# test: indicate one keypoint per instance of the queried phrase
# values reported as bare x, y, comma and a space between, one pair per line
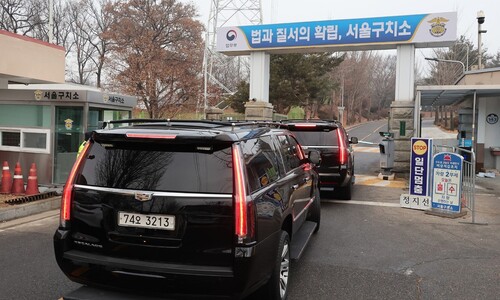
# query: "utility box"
386, 152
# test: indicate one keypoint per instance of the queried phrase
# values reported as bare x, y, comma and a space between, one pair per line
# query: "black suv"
188, 208
336, 170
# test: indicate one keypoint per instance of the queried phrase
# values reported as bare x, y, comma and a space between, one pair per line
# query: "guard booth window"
99, 114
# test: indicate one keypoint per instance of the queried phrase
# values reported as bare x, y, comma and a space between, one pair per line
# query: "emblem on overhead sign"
231, 35
105, 98
38, 95
438, 26
143, 196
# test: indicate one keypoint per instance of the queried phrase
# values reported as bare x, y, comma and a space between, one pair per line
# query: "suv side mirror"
353, 140
314, 157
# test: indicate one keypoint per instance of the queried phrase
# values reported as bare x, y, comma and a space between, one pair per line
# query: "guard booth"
45, 124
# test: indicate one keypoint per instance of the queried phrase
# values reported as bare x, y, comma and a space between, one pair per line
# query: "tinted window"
317, 138
260, 161
289, 151
162, 168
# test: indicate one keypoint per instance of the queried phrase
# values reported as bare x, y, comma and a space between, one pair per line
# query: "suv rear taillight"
342, 148
67, 193
243, 209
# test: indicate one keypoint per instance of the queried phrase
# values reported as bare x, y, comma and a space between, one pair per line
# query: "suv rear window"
159, 168
317, 138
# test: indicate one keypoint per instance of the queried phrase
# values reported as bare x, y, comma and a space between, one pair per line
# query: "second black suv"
188, 207
336, 170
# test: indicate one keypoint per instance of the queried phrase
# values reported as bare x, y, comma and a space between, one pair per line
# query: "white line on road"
376, 130
371, 203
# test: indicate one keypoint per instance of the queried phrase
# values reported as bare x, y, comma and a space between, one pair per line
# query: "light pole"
480, 21
448, 61
341, 107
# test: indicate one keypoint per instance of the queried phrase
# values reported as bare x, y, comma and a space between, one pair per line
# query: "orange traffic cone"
18, 185
6, 179
32, 185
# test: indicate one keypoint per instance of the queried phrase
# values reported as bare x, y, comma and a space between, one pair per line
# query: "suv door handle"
295, 186
306, 179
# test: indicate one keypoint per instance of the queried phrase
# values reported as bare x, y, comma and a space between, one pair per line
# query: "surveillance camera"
480, 17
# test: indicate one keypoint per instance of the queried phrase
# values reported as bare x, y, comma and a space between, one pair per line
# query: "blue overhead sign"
386, 32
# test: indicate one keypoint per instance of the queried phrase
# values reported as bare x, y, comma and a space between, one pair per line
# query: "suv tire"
277, 287
345, 192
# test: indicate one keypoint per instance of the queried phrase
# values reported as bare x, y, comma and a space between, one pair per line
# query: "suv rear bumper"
330, 180
168, 279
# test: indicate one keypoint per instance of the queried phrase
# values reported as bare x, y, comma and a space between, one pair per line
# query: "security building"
476, 99
45, 124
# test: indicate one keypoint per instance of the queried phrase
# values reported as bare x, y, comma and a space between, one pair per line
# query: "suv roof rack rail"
310, 120
190, 123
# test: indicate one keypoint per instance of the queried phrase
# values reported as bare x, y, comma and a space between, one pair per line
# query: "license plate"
163, 222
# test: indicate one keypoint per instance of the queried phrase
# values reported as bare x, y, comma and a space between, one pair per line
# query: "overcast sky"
289, 11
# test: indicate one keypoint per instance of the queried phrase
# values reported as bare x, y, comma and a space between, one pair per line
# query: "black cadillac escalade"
197, 208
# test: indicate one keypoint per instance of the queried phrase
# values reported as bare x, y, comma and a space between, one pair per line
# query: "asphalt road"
366, 152
367, 248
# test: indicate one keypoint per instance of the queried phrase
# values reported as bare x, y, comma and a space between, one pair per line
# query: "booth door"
68, 137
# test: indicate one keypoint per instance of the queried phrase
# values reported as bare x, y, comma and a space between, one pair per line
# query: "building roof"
442, 95
54, 86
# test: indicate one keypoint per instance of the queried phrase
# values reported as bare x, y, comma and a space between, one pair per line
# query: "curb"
27, 209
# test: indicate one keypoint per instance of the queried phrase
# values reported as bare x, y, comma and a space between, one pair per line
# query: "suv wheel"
344, 193
277, 287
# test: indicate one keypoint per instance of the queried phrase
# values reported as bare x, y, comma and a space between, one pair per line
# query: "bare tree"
357, 71
81, 36
19, 16
99, 23
383, 83
161, 49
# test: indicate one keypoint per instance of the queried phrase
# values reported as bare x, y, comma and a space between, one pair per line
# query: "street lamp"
480, 21
448, 61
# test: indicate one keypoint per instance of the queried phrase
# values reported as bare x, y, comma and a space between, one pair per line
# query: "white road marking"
370, 203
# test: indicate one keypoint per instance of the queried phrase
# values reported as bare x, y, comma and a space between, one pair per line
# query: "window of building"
20, 115
24, 140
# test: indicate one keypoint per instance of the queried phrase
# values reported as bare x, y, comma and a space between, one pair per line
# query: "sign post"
420, 163
447, 183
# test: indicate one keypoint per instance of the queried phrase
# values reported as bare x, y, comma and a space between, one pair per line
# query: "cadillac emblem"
438, 26
143, 196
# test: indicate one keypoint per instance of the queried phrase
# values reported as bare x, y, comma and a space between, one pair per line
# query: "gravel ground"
5, 197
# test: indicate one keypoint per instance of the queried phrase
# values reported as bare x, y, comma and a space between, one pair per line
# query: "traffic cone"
6, 179
18, 185
32, 185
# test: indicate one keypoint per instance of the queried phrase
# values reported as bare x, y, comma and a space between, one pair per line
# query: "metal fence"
468, 174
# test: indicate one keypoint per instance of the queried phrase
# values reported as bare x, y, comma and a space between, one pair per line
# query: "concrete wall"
483, 77
28, 60
489, 134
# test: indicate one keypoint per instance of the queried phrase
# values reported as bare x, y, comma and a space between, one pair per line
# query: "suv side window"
261, 162
290, 152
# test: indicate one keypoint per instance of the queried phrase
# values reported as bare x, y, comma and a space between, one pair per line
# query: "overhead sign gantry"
423, 30
404, 33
